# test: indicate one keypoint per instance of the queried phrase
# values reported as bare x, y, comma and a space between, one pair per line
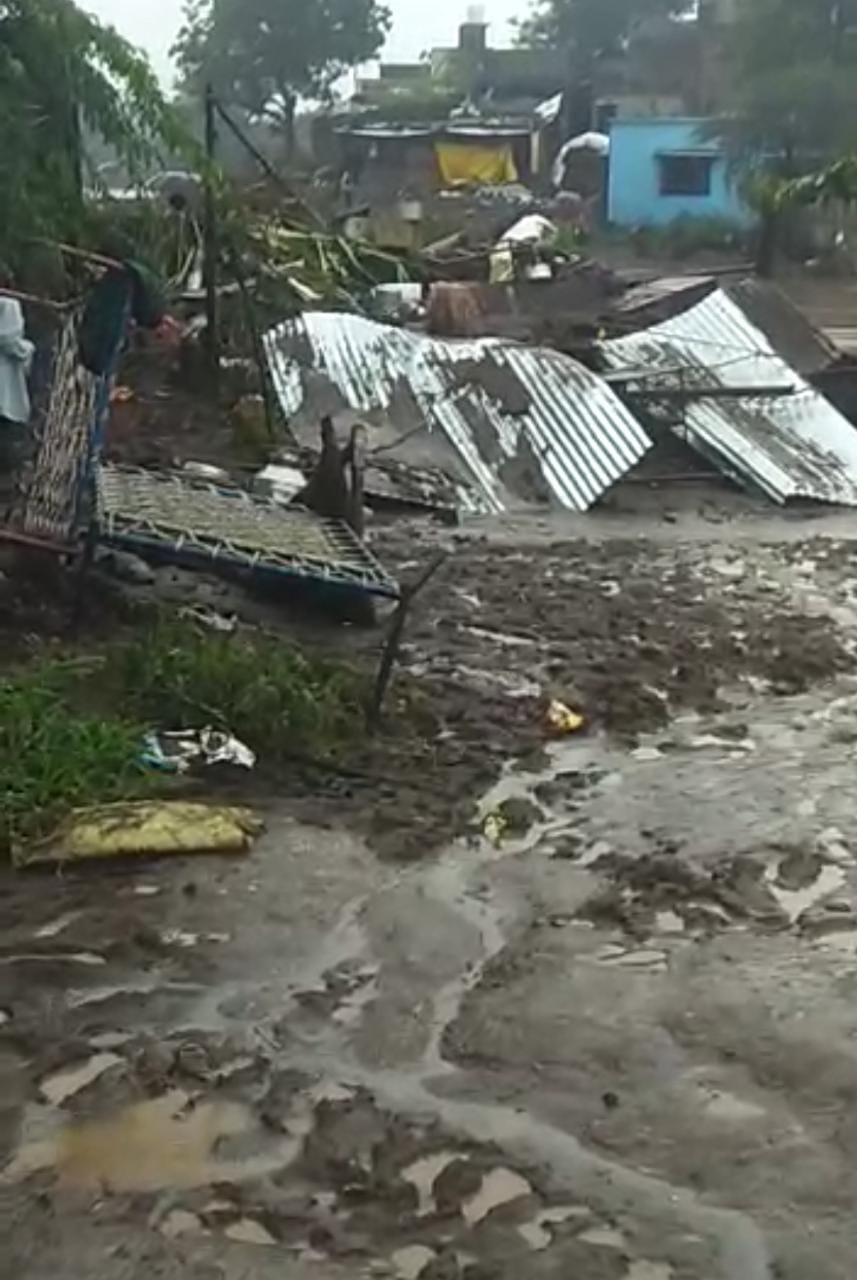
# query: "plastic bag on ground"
178, 751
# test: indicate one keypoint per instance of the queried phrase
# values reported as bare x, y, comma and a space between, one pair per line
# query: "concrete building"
662, 169
505, 80
468, 115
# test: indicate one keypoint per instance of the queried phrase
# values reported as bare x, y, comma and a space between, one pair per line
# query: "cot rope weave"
50, 491
200, 523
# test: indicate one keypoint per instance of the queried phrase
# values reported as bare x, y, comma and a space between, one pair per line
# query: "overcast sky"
417, 24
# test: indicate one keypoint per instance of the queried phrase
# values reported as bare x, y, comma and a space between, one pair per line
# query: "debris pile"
497, 371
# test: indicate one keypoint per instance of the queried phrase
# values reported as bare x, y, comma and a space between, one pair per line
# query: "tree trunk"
768, 243
290, 107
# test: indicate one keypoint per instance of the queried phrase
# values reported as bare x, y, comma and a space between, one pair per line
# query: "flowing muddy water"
164, 1143
605, 1033
180, 1141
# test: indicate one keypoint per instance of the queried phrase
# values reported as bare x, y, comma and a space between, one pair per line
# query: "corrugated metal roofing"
793, 446
525, 422
386, 131
487, 130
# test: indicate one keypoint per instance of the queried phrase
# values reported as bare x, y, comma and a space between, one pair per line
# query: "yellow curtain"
465, 162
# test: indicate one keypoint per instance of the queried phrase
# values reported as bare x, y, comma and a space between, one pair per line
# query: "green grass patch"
273, 695
54, 757
70, 732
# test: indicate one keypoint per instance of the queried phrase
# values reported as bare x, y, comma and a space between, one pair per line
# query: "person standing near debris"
16, 358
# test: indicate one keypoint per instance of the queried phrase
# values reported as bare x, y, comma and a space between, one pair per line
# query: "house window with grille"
685, 174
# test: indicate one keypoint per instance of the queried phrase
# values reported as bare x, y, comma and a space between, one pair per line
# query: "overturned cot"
200, 525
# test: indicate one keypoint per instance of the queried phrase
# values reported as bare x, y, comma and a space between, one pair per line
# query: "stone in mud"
612, 906
566, 787
126, 567
740, 888
568, 847
499, 1187
459, 1181
643, 889
443, 1267
283, 1088
519, 814
799, 869
192, 1060
152, 1065
248, 1231
179, 1222
410, 1262
63, 1085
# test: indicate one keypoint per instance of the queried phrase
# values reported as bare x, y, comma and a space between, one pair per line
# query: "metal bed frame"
68, 501
203, 525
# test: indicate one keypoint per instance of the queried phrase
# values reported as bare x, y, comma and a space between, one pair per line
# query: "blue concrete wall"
634, 197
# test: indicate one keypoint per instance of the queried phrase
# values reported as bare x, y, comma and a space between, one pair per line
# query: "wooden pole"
393, 643
210, 237
357, 465
256, 339
265, 165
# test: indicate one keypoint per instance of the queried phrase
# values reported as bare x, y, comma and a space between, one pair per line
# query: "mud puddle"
166, 1142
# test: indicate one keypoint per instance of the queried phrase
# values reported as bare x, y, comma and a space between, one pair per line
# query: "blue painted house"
661, 169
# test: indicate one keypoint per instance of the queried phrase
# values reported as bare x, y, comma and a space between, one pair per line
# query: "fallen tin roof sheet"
790, 447
524, 423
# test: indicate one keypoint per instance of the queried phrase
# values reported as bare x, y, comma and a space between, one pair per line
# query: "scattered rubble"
495, 995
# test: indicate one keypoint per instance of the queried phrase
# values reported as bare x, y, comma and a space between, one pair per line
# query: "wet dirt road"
614, 1041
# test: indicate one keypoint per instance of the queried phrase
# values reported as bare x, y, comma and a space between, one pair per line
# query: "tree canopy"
591, 29
62, 73
263, 55
791, 84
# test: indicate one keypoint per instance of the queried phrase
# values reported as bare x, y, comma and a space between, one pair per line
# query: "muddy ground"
505, 1004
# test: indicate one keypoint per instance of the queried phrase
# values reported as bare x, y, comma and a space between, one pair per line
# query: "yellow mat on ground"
145, 829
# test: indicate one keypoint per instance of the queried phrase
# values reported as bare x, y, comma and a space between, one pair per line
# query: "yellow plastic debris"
145, 829
563, 720
493, 827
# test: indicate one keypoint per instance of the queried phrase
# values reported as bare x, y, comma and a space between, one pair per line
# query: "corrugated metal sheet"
525, 422
794, 446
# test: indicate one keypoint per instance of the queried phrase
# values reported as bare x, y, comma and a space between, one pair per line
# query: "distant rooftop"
478, 69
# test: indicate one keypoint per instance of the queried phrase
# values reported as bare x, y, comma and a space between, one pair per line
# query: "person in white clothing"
16, 358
